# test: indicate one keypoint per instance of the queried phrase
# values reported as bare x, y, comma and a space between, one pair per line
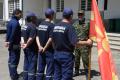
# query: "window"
17, 5
83, 4
86, 5
105, 4
59, 5
12, 5
11, 8
89, 5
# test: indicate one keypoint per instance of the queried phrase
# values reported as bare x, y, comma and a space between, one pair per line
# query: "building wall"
111, 12
73, 4
113, 9
36, 6
1, 10
39, 6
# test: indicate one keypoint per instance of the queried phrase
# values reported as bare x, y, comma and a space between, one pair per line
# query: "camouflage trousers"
83, 53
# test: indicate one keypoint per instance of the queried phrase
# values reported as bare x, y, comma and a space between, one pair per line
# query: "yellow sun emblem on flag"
92, 15
98, 31
114, 76
105, 45
100, 51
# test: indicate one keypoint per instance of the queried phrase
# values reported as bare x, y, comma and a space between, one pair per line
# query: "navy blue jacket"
13, 31
29, 31
64, 37
44, 31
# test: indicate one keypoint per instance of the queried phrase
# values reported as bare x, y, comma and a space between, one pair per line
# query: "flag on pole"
98, 34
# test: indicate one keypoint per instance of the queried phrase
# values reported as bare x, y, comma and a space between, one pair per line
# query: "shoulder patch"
42, 27
59, 29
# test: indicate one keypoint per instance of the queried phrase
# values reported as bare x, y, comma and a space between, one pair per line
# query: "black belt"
64, 51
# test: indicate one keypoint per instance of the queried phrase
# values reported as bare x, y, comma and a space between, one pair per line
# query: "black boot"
76, 74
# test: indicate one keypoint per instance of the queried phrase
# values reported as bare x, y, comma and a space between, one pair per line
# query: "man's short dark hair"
67, 16
48, 16
49, 12
16, 12
28, 19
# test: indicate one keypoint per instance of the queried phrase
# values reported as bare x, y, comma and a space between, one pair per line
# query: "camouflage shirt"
82, 30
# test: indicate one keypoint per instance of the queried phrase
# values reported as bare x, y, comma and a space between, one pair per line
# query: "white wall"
113, 10
36, 6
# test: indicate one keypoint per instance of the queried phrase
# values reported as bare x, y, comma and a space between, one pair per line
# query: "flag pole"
89, 68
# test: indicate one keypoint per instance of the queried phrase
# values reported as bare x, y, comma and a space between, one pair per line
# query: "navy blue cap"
67, 12
29, 14
49, 12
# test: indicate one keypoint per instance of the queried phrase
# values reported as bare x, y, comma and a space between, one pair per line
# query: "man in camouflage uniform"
82, 30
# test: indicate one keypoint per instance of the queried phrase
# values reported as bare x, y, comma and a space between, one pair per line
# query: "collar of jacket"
14, 17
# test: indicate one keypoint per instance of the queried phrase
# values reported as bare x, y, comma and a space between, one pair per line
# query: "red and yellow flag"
98, 33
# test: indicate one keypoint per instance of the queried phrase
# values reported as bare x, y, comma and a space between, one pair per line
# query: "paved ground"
2, 29
4, 75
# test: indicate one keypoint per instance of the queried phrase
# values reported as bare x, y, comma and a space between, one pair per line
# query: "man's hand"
89, 42
24, 46
40, 49
7, 44
44, 49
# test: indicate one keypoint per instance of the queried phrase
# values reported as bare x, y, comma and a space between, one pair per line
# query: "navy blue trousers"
63, 64
13, 61
45, 59
30, 64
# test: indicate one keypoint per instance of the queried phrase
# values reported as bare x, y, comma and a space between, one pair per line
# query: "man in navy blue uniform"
64, 40
13, 43
29, 45
45, 58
